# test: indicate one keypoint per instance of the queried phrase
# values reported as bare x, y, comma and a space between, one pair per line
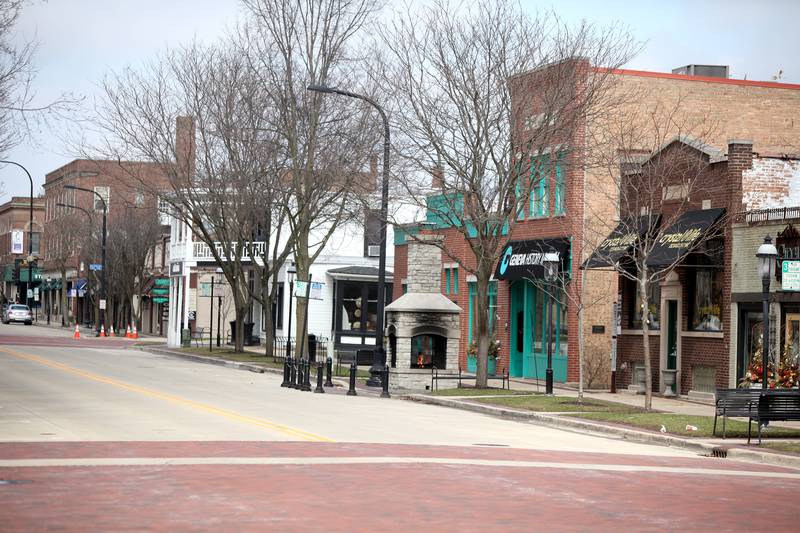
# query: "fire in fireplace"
428, 350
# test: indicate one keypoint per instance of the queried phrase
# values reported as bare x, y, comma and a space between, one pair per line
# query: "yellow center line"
304, 435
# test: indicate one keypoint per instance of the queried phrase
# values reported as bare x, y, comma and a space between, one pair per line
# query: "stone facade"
423, 310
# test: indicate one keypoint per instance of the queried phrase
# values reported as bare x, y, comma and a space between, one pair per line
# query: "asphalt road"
97, 435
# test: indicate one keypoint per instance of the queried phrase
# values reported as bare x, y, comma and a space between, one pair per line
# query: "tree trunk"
269, 333
648, 377
482, 326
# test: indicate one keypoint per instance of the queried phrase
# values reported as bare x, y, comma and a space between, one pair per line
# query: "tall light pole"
550, 263
767, 254
379, 355
91, 231
30, 234
103, 251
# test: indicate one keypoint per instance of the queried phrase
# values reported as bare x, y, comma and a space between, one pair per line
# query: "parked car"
18, 313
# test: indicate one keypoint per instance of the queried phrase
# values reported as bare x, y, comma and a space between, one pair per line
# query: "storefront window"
473, 313
653, 305
706, 300
352, 307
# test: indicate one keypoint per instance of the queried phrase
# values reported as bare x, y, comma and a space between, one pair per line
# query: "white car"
18, 313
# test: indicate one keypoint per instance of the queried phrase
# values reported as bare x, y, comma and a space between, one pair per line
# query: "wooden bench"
461, 376
736, 403
778, 405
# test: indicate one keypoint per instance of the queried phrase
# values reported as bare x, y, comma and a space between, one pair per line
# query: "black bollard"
285, 372
292, 374
328, 382
385, 382
320, 372
298, 384
306, 376
353, 369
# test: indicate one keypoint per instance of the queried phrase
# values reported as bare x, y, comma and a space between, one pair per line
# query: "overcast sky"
81, 40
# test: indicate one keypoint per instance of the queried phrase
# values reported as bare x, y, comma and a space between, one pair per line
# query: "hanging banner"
17, 236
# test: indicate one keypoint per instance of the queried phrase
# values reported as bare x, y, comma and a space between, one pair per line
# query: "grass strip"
676, 424
558, 404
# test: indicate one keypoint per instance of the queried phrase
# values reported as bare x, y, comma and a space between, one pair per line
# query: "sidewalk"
731, 447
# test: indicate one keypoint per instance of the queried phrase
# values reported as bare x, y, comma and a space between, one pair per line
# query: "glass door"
791, 348
751, 325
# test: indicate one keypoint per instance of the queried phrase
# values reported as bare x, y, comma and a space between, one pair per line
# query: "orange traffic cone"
77, 334
111, 331
102, 330
134, 334
128, 332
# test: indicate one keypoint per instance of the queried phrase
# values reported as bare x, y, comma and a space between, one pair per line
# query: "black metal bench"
736, 403
776, 405
461, 376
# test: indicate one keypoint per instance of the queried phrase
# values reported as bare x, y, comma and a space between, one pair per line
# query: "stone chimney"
424, 265
185, 146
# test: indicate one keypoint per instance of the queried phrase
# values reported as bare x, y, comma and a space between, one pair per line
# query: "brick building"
122, 185
14, 234
577, 209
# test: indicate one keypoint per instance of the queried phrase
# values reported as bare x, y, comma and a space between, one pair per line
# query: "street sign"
95, 266
790, 276
314, 293
103, 304
205, 289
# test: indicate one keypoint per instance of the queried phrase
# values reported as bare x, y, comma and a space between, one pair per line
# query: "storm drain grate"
485, 444
719, 452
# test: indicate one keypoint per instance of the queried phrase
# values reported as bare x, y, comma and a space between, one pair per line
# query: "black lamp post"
103, 251
30, 235
91, 231
211, 315
379, 355
767, 255
291, 270
219, 308
550, 263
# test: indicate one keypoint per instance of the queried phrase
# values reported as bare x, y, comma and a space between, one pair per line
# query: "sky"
80, 41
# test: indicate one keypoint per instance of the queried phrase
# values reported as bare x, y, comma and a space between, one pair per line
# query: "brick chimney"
740, 158
437, 178
185, 146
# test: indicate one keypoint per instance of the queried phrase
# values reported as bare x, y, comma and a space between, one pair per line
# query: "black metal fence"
317, 346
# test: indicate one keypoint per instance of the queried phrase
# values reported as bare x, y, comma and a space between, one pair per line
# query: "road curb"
643, 437
209, 360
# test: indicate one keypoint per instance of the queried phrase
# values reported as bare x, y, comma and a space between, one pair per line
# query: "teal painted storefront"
528, 333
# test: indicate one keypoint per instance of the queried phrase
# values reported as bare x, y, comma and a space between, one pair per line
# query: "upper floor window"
560, 196
139, 199
540, 186
451, 280
105, 193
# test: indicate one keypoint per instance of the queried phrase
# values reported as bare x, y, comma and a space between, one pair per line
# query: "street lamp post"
767, 255
291, 270
379, 355
30, 234
550, 263
103, 287
211, 315
91, 231
49, 300
219, 309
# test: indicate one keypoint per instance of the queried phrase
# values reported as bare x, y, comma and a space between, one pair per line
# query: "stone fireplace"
423, 324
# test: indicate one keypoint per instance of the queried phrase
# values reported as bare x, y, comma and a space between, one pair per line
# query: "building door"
749, 339
529, 306
791, 350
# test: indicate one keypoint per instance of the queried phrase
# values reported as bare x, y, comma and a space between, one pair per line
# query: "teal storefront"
529, 295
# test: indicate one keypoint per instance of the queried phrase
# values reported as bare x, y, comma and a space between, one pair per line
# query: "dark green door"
672, 335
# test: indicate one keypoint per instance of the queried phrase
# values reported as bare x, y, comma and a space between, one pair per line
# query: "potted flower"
494, 352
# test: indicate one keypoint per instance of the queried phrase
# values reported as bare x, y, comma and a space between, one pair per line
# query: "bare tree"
132, 235
661, 171
65, 241
453, 78
18, 112
326, 141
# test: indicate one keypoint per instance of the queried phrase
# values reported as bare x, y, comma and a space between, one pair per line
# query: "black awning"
682, 237
619, 242
523, 259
